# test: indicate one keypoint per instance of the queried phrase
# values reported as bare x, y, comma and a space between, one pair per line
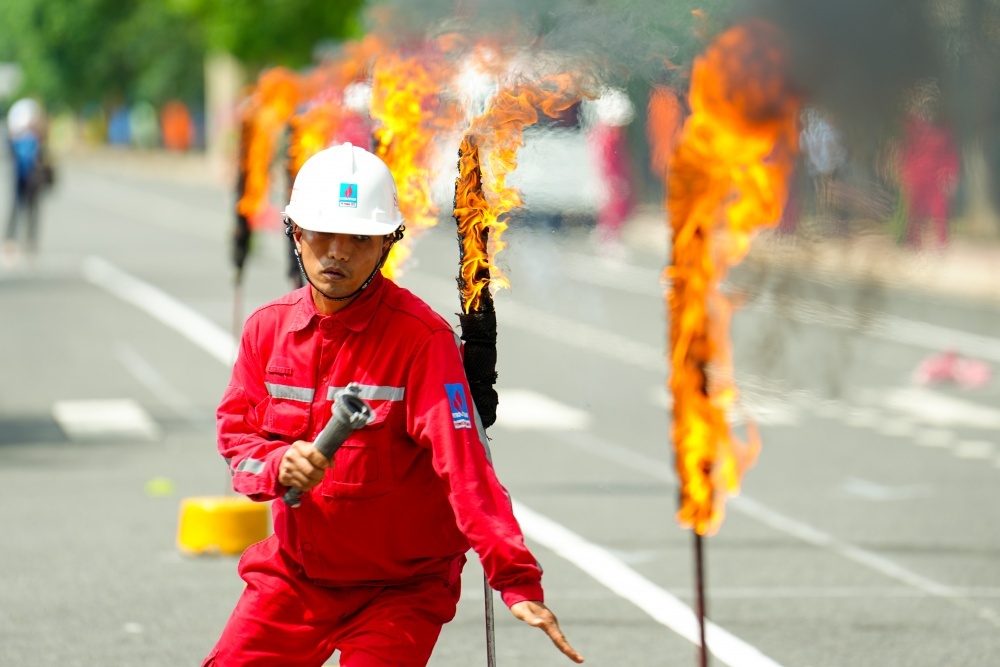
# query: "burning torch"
478, 318
728, 176
503, 122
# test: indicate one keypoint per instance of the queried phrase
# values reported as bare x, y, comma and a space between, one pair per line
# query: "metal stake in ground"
478, 318
699, 589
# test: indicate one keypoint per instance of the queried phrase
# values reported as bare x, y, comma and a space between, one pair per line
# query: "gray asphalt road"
866, 534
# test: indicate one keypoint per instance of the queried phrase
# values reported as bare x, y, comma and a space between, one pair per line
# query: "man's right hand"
302, 467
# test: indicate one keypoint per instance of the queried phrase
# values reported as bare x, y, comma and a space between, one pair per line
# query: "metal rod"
699, 586
485, 304
491, 652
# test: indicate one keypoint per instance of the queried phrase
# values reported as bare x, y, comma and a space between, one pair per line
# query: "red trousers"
926, 202
283, 619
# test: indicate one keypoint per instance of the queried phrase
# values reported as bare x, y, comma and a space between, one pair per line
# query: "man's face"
338, 264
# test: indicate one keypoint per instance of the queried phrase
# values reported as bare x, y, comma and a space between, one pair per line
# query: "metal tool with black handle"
349, 413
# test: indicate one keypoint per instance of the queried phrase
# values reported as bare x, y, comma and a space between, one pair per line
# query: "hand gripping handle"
349, 413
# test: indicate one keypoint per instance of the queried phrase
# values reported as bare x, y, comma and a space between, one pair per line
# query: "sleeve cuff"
521, 592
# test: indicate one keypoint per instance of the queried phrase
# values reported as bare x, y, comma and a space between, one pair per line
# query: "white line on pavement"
104, 418
649, 466
629, 584
195, 327
594, 560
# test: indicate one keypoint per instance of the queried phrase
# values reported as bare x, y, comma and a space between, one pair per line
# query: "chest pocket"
362, 467
286, 410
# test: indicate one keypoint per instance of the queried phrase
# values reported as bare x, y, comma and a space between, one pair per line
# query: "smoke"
629, 41
866, 60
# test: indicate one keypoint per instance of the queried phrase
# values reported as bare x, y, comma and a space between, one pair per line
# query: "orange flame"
407, 102
318, 125
499, 131
271, 105
312, 131
728, 178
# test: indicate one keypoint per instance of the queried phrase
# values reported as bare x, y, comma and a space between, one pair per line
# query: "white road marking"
95, 419
933, 437
924, 406
523, 409
974, 449
864, 593
629, 584
192, 325
896, 428
620, 455
880, 492
862, 418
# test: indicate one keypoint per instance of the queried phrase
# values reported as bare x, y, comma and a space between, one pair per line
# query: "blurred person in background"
825, 158
612, 112
119, 128
144, 127
176, 126
27, 130
929, 166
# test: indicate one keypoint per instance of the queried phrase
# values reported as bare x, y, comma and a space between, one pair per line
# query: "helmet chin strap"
298, 258
353, 294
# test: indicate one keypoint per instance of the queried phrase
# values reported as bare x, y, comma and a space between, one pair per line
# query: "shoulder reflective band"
371, 392
303, 394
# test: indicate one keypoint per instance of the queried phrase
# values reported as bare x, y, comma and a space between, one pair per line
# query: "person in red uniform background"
929, 168
369, 563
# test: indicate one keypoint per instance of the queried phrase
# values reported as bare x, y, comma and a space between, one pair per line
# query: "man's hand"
302, 467
538, 615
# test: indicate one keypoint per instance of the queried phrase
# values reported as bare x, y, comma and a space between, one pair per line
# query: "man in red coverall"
369, 564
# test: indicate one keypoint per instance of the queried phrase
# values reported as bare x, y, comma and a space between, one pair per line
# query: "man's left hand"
538, 615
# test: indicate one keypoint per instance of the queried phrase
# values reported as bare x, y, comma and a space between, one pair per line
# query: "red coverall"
370, 562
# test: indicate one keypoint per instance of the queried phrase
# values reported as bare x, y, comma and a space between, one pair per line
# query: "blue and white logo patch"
348, 195
459, 406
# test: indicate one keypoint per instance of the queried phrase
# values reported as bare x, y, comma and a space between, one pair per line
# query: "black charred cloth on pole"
241, 231
294, 273
479, 331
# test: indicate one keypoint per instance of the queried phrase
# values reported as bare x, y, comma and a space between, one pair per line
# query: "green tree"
75, 52
272, 32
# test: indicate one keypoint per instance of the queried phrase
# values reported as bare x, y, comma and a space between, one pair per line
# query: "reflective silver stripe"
370, 392
252, 466
304, 394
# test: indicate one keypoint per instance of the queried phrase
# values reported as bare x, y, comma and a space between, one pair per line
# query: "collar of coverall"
355, 316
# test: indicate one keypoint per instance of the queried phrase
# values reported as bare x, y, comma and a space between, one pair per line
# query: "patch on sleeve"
459, 406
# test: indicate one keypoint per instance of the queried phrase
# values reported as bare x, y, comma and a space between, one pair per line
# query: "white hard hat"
345, 190
23, 116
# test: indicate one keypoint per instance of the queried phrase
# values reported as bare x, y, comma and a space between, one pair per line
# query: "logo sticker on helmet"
459, 407
348, 195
